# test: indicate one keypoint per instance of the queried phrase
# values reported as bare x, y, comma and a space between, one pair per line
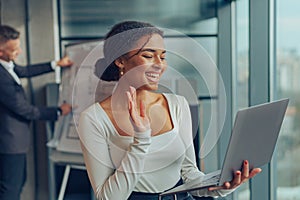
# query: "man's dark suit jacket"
15, 110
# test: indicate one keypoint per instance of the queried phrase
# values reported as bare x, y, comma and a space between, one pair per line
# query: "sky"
288, 24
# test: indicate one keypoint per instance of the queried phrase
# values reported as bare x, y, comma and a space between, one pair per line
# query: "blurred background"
255, 45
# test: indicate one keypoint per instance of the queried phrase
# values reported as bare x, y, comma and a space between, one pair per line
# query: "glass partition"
287, 84
241, 72
93, 18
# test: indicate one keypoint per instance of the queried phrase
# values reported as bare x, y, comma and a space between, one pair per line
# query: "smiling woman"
138, 143
146, 65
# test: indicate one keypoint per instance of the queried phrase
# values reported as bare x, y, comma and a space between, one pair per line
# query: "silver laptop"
253, 138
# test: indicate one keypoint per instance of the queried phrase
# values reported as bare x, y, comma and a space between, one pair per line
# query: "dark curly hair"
120, 40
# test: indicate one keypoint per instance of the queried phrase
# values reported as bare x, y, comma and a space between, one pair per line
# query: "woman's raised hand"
139, 119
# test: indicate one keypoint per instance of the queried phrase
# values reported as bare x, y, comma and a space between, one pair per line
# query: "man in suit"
16, 112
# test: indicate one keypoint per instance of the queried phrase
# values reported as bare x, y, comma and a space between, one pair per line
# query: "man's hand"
64, 62
65, 108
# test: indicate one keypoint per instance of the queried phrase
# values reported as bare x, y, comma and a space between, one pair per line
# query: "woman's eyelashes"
148, 56
162, 58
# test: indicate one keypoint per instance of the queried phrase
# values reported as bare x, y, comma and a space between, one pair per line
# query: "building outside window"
287, 84
241, 71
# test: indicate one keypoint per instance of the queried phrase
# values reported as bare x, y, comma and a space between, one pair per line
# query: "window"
241, 72
287, 84
93, 18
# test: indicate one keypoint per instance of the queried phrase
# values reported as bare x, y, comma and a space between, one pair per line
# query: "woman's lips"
153, 76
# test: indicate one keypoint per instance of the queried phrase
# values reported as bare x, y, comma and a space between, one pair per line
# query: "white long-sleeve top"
118, 165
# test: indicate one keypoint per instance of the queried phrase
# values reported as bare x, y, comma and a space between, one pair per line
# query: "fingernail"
260, 169
245, 162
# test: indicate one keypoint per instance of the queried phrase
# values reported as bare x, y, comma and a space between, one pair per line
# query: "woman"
138, 143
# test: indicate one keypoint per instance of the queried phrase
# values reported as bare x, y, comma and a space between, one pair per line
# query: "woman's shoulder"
175, 98
94, 111
95, 116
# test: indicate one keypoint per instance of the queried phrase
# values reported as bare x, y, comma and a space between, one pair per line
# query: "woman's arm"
189, 168
109, 181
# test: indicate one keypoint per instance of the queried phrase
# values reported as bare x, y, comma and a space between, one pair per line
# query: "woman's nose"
158, 62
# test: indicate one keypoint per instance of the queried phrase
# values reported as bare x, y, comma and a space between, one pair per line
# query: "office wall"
41, 47
34, 19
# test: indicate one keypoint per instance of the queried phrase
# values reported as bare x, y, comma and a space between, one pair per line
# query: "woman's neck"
120, 96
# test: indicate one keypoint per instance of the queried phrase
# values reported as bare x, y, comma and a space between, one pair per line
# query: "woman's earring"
121, 72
